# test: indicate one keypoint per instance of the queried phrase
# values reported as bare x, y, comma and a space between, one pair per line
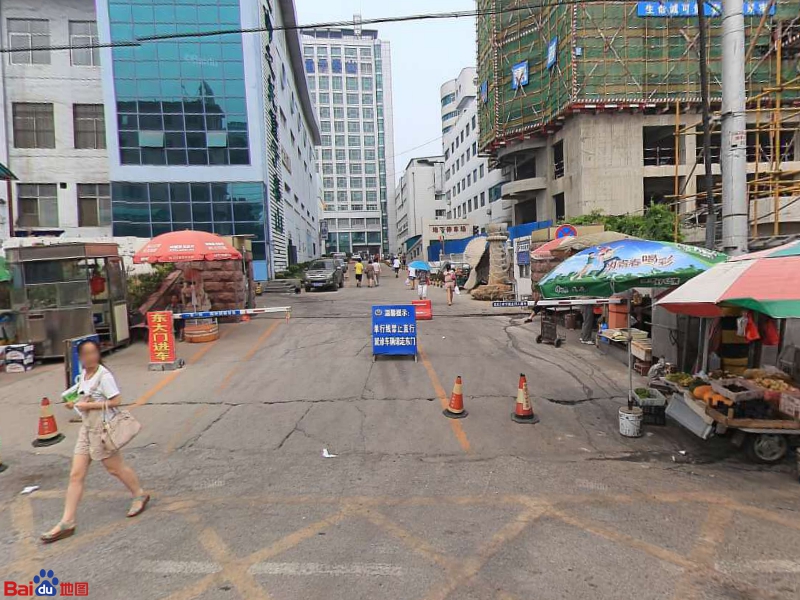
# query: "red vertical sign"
162, 337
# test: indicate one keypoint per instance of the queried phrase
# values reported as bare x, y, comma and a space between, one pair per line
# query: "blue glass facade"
150, 209
182, 101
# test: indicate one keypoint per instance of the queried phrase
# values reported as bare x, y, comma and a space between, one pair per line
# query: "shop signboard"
394, 330
162, 337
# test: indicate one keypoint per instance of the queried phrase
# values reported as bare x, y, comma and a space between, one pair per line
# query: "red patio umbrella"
186, 246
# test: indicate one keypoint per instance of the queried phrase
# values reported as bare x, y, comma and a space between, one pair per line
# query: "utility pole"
734, 134
711, 220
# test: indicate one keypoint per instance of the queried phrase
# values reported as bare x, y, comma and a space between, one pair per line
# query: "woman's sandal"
143, 500
64, 531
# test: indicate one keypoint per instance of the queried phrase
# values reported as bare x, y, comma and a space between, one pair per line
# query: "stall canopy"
607, 269
5, 274
186, 246
767, 281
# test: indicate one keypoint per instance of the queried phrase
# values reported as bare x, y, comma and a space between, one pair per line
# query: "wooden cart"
767, 440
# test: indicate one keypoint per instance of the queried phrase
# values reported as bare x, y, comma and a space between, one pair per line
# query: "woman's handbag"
119, 430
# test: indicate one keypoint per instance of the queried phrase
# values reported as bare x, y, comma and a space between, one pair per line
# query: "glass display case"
64, 291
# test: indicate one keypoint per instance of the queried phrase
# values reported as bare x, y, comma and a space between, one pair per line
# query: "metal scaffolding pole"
734, 136
711, 219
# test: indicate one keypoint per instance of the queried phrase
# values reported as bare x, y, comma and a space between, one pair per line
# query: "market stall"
64, 291
193, 250
607, 270
761, 403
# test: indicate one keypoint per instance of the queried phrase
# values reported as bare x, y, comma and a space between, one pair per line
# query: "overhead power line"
327, 25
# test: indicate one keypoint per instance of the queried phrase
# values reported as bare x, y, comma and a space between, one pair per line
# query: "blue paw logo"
46, 583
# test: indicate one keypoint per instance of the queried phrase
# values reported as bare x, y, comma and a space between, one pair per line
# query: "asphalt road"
413, 505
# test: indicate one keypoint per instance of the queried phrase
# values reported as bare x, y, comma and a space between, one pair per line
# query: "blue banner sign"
675, 8
394, 330
519, 75
552, 52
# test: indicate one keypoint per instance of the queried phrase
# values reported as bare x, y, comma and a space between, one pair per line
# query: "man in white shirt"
396, 267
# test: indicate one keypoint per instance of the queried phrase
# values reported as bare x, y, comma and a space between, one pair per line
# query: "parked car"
342, 257
323, 274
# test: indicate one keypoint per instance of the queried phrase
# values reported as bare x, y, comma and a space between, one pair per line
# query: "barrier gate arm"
554, 303
234, 313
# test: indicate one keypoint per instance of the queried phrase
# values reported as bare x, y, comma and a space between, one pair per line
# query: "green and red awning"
767, 281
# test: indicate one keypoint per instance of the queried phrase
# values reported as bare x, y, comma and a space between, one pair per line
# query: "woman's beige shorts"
89, 442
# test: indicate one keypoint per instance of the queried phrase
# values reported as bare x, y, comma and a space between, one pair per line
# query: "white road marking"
760, 566
360, 570
178, 567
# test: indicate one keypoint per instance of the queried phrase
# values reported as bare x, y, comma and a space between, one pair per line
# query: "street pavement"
412, 505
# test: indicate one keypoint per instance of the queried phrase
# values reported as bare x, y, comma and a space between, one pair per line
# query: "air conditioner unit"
489, 211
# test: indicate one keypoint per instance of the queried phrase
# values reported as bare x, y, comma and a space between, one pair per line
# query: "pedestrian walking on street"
376, 267
359, 270
412, 276
587, 311
370, 272
98, 400
396, 267
450, 284
422, 284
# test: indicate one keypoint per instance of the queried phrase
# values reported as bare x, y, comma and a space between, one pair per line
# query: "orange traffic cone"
48, 430
523, 411
456, 408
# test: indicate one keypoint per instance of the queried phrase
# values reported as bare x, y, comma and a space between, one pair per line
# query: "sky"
425, 54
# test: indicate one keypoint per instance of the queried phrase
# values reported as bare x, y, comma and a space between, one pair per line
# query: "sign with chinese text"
485, 92
162, 337
552, 52
675, 8
519, 75
394, 330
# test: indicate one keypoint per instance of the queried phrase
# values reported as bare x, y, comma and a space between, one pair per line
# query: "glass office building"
182, 130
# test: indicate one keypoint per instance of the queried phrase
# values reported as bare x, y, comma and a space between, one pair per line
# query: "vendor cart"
549, 334
766, 440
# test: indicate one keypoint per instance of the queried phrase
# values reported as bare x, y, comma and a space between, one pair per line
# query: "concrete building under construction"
596, 105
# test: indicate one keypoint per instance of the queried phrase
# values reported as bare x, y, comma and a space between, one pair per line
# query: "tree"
657, 223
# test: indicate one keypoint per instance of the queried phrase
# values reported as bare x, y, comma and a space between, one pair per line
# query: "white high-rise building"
472, 189
419, 198
348, 71
52, 130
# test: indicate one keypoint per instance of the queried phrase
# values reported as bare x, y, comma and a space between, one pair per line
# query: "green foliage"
657, 224
142, 286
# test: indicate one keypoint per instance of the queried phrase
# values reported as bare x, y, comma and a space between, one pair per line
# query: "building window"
474, 148
38, 205
23, 36
84, 33
474, 126
558, 160
89, 126
448, 99
560, 208
483, 198
341, 168
33, 125
482, 171
309, 64
94, 205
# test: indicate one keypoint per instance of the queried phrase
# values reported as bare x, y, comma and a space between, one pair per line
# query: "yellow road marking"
455, 424
144, 398
249, 355
176, 438
712, 533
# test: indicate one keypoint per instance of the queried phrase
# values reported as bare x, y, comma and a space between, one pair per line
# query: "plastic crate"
654, 415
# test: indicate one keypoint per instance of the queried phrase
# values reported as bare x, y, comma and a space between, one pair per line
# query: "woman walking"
422, 284
97, 390
450, 284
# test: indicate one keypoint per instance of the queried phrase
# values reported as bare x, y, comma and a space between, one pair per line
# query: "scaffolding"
772, 141
537, 64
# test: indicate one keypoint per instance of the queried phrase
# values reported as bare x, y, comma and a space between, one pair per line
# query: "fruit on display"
701, 391
682, 379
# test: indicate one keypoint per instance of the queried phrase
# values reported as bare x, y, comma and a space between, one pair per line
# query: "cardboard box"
18, 352
18, 367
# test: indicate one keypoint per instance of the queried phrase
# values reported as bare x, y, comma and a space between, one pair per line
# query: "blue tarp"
524, 230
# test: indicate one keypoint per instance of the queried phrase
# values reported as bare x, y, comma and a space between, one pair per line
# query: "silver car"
323, 274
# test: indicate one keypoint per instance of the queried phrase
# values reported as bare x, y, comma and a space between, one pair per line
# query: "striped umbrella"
767, 281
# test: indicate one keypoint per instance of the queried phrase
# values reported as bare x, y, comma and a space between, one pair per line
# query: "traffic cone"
48, 430
456, 408
523, 411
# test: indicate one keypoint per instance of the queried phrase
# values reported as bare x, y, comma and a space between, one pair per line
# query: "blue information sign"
519, 75
394, 330
676, 8
552, 53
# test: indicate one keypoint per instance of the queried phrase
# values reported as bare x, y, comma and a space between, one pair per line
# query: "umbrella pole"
630, 359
